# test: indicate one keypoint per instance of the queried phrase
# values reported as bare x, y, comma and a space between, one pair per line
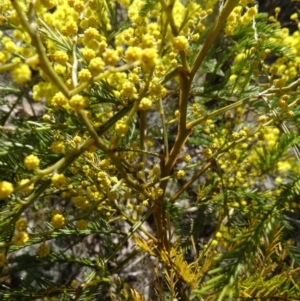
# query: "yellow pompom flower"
60, 69
57, 220
277, 10
219, 235
133, 54
59, 99
78, 102
187, 158
20, 238
246, 19
252, 11
84, 75
77, 139
206, 152
58, 180
180, 174
294, 17
70, 29
233, 77
96, 65
214, 243
31, 162
149, 57
156, 89
121, 128
4, 56
21, 74
21, 225
195, 37
6, 188
91, 33
78, 6
88, 53
82, 225
10, 46
110, 57
58, 147
60, 57
93, 21
145, 104
128, 90
180, 43
43, 250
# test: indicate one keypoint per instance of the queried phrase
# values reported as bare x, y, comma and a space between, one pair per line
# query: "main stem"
186, 76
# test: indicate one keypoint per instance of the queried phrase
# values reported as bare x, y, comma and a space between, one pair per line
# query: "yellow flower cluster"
20, 238
57, 220
180, 174
180, 43
21, 225
58, 180
43, 250
21, 74
139, 44
6, 188
82, 225
31, 162
145, 104
121, 128
58, 147
285, 67
78, 102
60, 57
81, 202
239, 16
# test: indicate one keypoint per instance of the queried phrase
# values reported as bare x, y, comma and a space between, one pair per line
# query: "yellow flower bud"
20, 238
6, 189
31, 162
43, 250
180, 43
57, 221
21, 74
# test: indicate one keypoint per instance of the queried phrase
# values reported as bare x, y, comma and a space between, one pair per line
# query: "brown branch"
211, 37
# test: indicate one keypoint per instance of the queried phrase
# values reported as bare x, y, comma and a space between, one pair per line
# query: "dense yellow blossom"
133, 54
31, 162
180, 43
58, 147
57, 221
43, 250
110, 57
21, 74
59, 99
145, 104
96, 65
6, 188
20, 238
78, 102
58, 180
21, 225
82, 225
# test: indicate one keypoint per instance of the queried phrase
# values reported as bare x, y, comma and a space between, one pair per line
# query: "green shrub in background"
153, 110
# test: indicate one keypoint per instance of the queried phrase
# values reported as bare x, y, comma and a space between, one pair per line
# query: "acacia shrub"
155, 112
